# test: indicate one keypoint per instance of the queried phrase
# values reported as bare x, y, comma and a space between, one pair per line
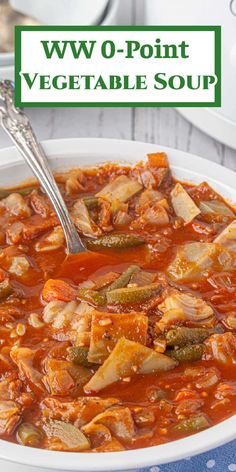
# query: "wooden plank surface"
164, 126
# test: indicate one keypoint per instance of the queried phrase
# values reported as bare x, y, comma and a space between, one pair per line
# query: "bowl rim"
128, 151
106, 17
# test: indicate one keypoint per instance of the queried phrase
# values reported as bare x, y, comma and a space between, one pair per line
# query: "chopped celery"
122, 188
215, 207
68, 434
183, 204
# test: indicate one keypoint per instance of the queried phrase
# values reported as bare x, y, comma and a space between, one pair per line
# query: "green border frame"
19, 103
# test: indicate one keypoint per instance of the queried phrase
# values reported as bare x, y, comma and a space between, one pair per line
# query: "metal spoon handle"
18, 127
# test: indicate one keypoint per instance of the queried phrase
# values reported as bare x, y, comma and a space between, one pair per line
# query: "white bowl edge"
187, 167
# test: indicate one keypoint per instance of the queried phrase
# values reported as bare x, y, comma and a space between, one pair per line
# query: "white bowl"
108, 18
68, 153
67, 12
7, 72
6, 58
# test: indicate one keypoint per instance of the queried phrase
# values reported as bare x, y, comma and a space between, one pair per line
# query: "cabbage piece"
222, 347
83, 221
111, 445
142, 278
153, 215
108, 328
24, 357
28, 435
183, 204
148, 196
52, 241
225, 390
118, 420
15, 205
58, 313
170, 318
215, 207
126, 359
227, 238
196, 310
67, 437
122, 188
9, 416
79, 412
64, 377
69, 321
192, 259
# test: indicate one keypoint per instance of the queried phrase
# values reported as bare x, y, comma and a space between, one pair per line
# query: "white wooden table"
163, 126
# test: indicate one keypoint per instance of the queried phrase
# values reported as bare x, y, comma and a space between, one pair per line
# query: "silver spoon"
18, 127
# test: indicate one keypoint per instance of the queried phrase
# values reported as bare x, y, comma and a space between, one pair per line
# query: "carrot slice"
58, 290
158, 159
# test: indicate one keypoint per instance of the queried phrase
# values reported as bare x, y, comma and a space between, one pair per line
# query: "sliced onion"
195, 309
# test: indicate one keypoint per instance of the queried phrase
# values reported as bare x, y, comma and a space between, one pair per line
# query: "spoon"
18, 127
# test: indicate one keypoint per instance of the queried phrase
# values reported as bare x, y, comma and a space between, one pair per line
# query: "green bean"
183, 336
91, 296
116, 241
79, 355
123, 296
189, 353
28, 435
124, 278
194, 423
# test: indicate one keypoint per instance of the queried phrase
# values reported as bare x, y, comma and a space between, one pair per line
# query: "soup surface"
131, 344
